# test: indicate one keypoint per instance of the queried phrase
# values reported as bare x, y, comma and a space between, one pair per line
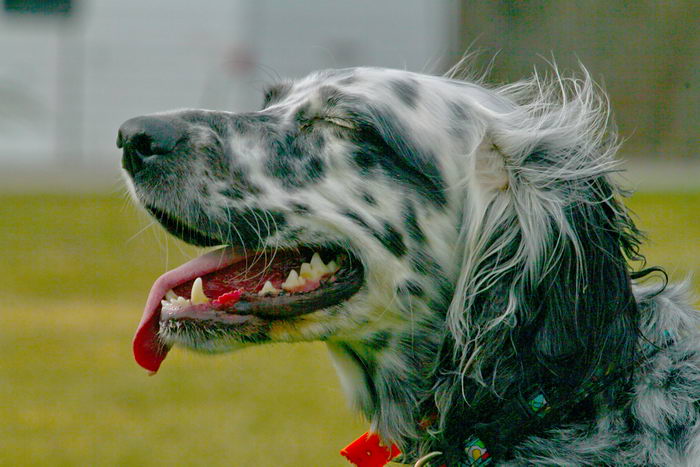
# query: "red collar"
367, 451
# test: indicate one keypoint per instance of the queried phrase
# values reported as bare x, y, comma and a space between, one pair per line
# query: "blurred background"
77, 259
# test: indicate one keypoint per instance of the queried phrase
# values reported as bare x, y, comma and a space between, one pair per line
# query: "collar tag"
367, 451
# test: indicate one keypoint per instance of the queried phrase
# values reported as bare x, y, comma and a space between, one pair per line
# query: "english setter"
461, 249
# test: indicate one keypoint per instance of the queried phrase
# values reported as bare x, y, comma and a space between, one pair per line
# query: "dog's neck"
393, 386
404, 387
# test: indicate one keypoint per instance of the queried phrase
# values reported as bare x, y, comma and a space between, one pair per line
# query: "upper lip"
183, 230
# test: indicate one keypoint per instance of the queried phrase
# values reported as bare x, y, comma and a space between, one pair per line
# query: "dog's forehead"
328, 87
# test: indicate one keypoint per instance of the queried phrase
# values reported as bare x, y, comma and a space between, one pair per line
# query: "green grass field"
75, 274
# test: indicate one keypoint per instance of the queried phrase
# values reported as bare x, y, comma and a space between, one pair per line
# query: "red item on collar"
367, 451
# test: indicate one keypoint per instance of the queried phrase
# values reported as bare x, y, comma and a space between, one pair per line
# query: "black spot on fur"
424, 264
458, 112
406, 90
331, 96
678, 435
318, 143
276, 93
218, 122
245, 123
251, 227
234, 176
267, 118
233, 193
377, 341
459, 120
315, 168
294, 161
369, 199
220, 168
441, 301
411, 222
411, 288
358, 220
390, 238
300, 208
303, 114
382, 140
393, 240
673, 379
365, 159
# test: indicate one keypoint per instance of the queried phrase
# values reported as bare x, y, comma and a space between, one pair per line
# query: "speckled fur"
490, 232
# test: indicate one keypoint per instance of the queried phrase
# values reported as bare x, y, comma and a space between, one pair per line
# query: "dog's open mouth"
226, 287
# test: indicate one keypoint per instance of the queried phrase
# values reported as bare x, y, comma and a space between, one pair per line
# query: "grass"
75, 275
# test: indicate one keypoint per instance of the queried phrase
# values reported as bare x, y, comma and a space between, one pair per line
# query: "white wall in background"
65, 86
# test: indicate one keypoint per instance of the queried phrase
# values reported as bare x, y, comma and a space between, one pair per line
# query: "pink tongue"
149, 351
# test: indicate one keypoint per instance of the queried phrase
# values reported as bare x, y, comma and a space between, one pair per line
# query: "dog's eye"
341, 122
337, 121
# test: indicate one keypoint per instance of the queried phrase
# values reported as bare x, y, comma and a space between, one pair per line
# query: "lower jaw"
216, 332
214, 336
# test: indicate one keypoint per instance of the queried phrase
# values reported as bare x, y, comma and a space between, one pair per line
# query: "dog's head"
335, 195
432, 231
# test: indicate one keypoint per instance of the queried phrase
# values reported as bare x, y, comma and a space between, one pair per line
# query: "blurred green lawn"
75, 273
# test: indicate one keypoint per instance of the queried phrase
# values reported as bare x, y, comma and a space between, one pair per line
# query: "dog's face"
328, 182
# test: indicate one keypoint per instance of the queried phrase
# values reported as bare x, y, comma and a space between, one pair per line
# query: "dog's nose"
143, 138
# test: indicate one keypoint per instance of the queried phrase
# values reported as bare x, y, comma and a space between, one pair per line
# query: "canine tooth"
170, 295
268, 288
197, 294
293, 280
318, 266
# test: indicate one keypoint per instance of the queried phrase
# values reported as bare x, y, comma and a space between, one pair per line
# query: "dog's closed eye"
336, 121
341, 122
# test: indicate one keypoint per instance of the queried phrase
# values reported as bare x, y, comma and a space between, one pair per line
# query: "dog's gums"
238, 290
234, 289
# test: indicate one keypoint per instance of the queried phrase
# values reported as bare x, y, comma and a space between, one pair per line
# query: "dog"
462, 249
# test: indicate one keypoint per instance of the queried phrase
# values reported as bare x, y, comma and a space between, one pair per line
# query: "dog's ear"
582, 312
544, 294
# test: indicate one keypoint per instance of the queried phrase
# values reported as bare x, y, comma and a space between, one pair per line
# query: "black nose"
145, 137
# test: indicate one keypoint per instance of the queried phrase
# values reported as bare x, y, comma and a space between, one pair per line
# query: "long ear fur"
544, 293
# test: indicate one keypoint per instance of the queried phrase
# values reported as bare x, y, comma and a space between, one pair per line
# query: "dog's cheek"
295, 160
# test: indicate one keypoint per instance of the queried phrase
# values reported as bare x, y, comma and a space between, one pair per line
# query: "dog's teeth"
268, 289
318, 266
293, 281
316, 261
170, 295
307, 272
197, 294
332, 267
174, 304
